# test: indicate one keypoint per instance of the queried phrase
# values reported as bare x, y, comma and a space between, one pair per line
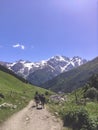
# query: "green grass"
19, 93
91, 106
15, 92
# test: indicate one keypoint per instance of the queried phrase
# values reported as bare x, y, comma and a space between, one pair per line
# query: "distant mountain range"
38, 73
74, 78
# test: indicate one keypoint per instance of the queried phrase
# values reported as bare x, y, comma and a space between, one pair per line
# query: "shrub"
91, 93
79, 120
47, 93
94, 81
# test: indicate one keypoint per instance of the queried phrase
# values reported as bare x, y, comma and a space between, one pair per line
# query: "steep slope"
74, 78
42, 75
14, 92
5, 69
81, 107
44, 70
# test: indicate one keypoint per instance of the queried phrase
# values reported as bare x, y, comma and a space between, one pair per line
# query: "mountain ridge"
73, 79
42, 71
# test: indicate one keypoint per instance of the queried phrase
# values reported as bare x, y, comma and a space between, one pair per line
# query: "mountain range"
38, 73
74, 78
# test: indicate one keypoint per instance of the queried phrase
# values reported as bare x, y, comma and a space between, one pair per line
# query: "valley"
72, 108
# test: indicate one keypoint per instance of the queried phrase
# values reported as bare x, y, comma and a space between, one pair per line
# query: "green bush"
94, 81
79, 120
92, 93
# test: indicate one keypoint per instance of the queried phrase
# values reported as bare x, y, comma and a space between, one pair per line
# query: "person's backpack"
42, 98
36, 97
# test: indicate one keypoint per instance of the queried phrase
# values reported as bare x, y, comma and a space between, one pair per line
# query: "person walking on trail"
43, 100
37, 99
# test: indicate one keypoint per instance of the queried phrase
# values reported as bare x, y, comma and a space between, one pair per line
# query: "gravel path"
31, 118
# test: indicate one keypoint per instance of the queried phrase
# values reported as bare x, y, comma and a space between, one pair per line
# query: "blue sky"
39, 29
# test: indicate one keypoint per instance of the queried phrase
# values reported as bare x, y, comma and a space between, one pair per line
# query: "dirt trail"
31, 118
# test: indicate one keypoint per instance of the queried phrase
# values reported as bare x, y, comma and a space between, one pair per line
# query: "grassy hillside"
4, 69
15, 92
74, 78
80, 109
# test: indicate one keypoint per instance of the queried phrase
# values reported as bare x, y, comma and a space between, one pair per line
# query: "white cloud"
22, 47
19, 46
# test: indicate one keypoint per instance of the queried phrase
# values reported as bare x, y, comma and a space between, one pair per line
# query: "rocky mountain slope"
73, 79
40, 72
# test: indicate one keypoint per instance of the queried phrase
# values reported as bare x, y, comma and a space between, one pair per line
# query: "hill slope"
15, 92
74, 78
80, 108
6, 70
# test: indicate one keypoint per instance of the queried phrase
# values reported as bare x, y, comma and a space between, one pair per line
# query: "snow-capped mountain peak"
53, 66
59, 58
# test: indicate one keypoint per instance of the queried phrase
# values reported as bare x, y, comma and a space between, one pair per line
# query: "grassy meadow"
15, 92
